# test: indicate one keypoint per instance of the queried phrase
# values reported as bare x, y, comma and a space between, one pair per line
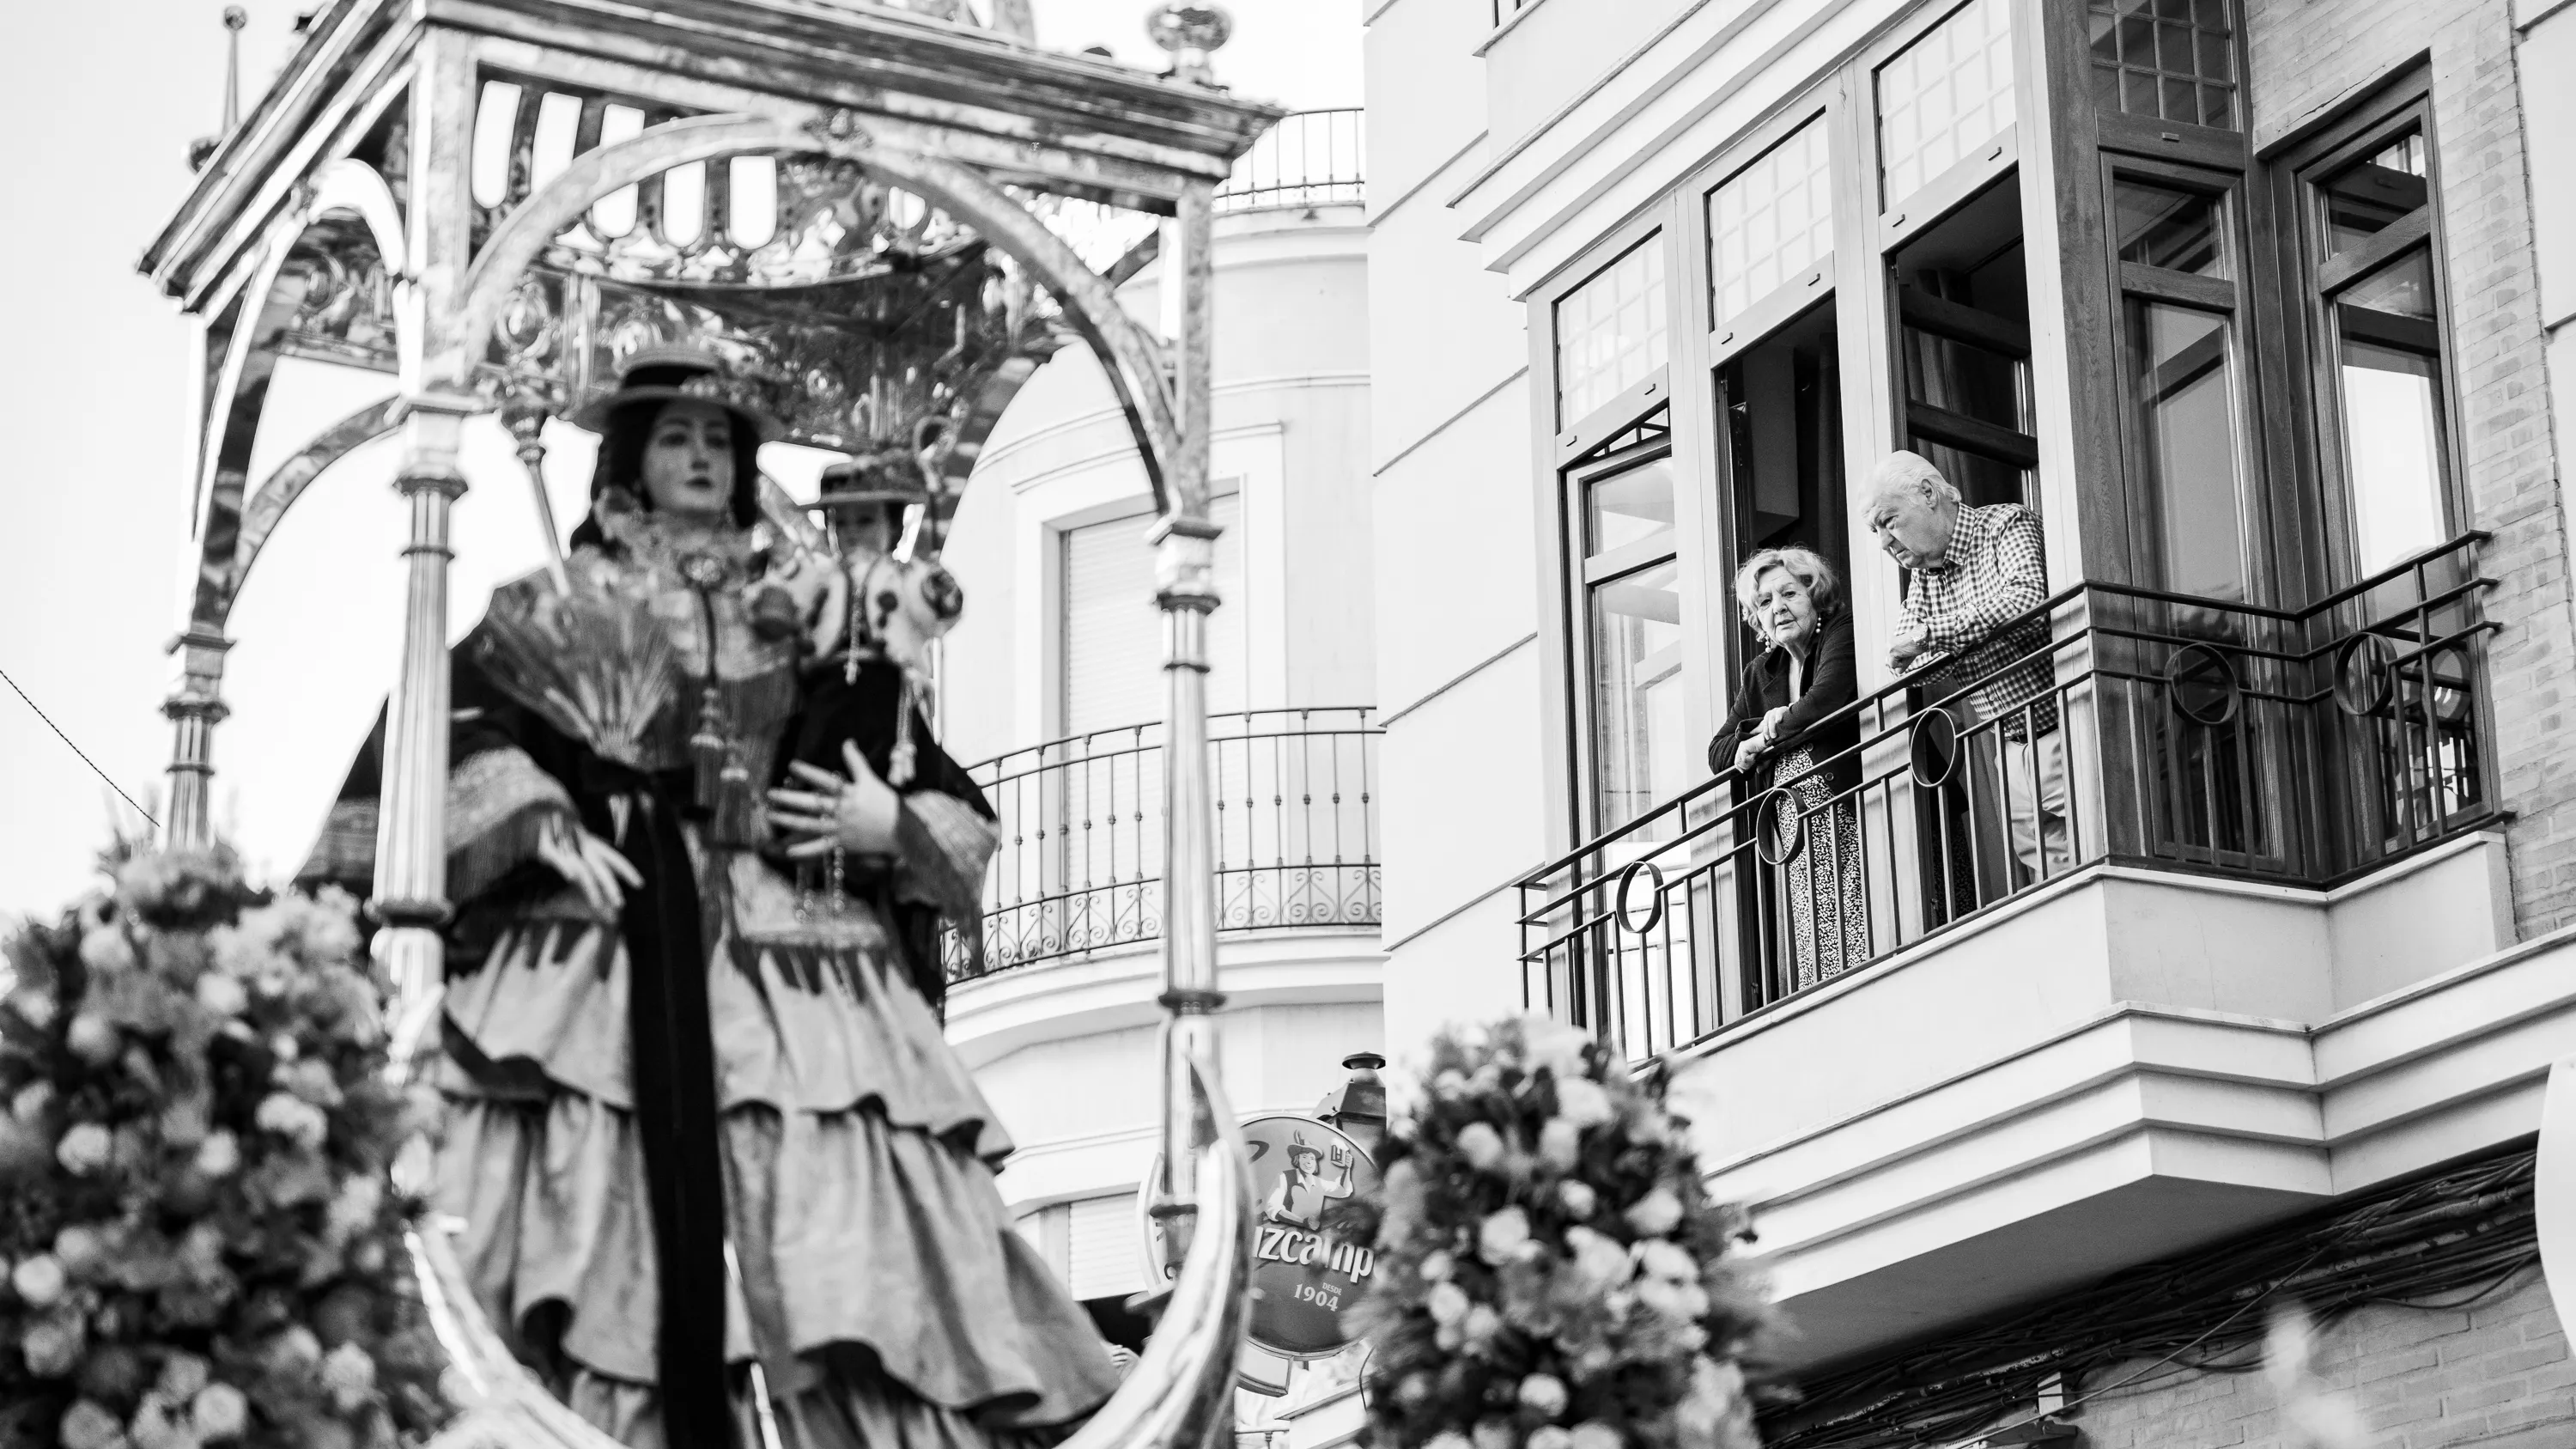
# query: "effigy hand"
587, 863
856, 814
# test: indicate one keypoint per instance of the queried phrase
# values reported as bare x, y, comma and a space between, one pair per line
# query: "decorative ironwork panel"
1080, 866
1771, 221
1610, 331
1943, 96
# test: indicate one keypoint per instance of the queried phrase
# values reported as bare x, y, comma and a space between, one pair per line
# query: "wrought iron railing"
1311, 158
1080, 866
2302, 748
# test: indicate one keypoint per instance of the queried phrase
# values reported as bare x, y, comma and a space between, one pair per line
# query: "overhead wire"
77, 750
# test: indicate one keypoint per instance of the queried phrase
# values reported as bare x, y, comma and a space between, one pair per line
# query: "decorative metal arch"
1134, 362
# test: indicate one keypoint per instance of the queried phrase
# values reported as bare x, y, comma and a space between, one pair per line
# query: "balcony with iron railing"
2270, 958
1080, 869
1309, 159
2293, 748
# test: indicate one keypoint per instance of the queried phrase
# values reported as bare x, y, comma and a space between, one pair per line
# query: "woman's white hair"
1904, 472
1802, 564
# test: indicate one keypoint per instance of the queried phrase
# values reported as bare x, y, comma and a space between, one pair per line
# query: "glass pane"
2392, 430
2364, 198
1640, 756
1769, 222
1948, 92
2187, 441
1629, 508
2163, 227
2403, 288
1610, 331
2171, 60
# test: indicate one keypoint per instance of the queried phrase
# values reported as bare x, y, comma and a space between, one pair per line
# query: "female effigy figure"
720, 1175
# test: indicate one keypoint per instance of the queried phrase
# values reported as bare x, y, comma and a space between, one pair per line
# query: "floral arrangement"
1551, 1273
196, 1135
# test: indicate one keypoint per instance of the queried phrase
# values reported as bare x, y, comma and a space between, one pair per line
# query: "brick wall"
2494, 1375
2309, 56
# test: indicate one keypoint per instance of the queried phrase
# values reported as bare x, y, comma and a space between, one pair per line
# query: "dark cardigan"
1831, 684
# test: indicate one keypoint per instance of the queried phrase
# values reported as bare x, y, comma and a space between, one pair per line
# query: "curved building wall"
1064, 1044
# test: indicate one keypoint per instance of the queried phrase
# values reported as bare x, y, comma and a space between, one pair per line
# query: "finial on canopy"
1190, 33
202, 149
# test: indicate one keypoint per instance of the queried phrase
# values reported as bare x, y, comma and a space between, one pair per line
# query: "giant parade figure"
717, 1169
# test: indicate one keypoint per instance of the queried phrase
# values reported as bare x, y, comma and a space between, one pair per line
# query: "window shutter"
1113, 635
1104, 1249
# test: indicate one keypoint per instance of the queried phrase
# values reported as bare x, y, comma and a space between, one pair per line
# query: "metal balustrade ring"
1621, 904
2202, 684
1932, 748
2449, 668
2362, 670
1779, 827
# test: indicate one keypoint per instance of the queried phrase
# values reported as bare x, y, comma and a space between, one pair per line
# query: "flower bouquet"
1551, 1274
201, 1244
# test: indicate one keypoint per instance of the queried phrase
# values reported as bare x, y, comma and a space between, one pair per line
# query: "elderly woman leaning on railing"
1790, 728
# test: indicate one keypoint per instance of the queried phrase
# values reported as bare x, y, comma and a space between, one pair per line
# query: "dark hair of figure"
621, 462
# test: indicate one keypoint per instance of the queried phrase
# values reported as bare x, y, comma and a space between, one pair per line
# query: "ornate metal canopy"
864, 207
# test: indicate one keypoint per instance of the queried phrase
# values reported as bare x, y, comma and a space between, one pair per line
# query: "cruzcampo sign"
1304, 1280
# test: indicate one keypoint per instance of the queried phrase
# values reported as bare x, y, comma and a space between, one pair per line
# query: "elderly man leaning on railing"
1972, 571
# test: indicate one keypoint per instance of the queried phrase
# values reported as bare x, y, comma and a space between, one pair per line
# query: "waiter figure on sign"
1301, 1193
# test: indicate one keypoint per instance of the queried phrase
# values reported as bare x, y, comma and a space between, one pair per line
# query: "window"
2166, 60
1112, 655
1610, 332
1770, 222
1962, 319
2373, 302
2181, 374
1630, 601
1943, 96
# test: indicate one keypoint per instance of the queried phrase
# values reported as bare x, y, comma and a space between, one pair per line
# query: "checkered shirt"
1997, 571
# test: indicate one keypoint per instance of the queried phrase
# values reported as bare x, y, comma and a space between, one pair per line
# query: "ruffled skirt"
895, 1306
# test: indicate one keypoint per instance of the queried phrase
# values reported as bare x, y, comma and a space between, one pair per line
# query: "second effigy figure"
723, 1182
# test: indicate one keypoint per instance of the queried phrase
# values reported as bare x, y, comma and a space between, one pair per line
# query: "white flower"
1450, 1084
1582, 1101
93, 1038
1437, 1265
1449, 1439
182, 1375
1668, 1260
30, 1103
1593, 1434
1577, 1198
88, 1426
156, 1426
40, 1280
349, 1376
1560, 1143
1447, 1302
1555, 1046
1598, 1259
299, 1121
1500, 1238
1549, 1436
1657, 1213
105, 950
219, 1412
53, 1346
84, 1149
35, 1007
219, 1155
80, 1249
1480, 1325
354, 1208
1543, 1395
222, 994
1481, 1145
1497, 1434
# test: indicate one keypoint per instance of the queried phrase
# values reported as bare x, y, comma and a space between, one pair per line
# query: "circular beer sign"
1303, 1279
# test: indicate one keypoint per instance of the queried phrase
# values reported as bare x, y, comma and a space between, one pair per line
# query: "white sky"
95, 403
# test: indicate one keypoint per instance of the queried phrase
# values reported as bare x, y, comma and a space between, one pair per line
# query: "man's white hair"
1904, 472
